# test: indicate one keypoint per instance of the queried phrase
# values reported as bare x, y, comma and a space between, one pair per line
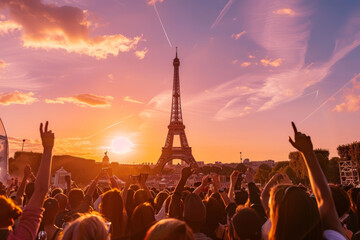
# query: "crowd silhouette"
280, 210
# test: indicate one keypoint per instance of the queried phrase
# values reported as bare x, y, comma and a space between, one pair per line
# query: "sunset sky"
102, 70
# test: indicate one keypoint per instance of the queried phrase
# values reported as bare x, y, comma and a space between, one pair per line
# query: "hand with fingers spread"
302, 142
47, 136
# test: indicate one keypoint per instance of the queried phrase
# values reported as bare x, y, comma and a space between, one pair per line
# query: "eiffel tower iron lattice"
176, 128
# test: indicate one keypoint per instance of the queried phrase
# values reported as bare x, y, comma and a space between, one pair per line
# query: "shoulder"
332, 235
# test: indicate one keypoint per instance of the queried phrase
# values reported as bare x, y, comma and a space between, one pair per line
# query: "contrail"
327, 100
222, 13
108, 127
162, 25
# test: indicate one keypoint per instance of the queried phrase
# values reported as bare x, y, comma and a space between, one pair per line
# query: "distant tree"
350, 151
280, 165
333, 174
291, 173
297, 164
241, 167
262, 174
322, 156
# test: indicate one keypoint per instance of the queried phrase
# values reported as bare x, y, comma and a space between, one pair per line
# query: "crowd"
280, 210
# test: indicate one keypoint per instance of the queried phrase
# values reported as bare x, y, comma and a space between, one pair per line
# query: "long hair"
169, 228
141, 220
294, 215
112, 208
8, 212
86, 227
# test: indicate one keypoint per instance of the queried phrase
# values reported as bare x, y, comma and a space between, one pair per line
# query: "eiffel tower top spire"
176, 115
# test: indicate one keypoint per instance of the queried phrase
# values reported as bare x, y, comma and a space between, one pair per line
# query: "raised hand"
302, 142
47, 136
206, 180
187, 172
234, 177
249, 175
216, 182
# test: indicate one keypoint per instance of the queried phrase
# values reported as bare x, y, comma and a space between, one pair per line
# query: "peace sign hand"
302, 142
47, 136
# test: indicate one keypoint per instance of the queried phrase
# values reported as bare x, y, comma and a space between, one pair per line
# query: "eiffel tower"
176, 128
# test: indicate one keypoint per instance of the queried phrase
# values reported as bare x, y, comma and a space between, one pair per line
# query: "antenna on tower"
176, 52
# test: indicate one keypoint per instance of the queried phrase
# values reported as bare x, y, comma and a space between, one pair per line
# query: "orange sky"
100, 71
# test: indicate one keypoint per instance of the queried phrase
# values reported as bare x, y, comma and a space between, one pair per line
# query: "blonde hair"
86, 227
170, 228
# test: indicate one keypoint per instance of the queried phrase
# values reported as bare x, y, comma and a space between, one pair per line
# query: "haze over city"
102, 74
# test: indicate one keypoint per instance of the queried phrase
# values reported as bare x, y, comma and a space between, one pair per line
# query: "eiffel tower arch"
175, 128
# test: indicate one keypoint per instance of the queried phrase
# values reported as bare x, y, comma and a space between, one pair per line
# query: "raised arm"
265, 194
142, 182
174, 207
30, 220
204, 182
21, 190
233, 179
220, 190
319, 184
43, 174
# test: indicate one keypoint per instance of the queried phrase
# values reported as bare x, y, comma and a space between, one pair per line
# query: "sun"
121, 145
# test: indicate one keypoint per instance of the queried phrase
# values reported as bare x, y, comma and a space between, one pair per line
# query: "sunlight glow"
121, 145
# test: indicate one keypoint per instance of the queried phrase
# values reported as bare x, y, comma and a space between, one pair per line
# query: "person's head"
29, 190
141, 220
111, 207
246, 224
129, 203
62, 200
170, 228
51, 206
194, 212
140, 196
213, 215
159, 200
341, 200
86, 227
134, 187
56, 191
76, 195
241, 197
9, 212
293, 214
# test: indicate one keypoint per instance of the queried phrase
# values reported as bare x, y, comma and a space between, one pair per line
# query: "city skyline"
101, 74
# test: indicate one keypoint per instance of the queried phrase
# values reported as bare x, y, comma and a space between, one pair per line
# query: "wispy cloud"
351, 102
48, 26
84, 100
245, 64
2, 64
141, 53
286, 44
17, 97
222, 13
273, 63
154, 1
285, 11
9, 26
238, 35
129, 99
